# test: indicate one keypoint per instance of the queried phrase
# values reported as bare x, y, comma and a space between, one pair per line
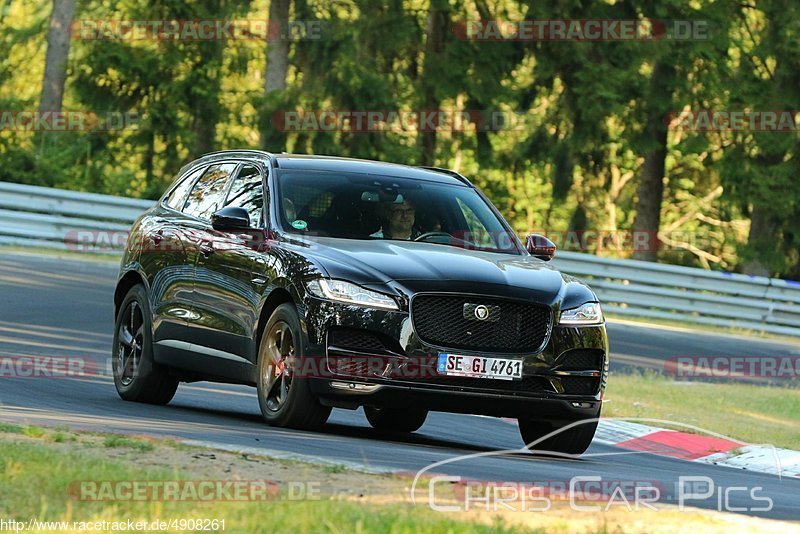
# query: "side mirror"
230, 218
540, 247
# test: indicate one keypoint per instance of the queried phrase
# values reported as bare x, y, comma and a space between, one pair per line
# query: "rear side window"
177, 196
247, 192
207, 194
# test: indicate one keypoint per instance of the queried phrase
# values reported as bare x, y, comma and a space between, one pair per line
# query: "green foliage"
585, 112
120, 441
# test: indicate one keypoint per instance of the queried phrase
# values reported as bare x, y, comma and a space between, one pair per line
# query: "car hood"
410, 267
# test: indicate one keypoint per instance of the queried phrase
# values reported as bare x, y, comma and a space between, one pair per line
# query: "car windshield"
362, 206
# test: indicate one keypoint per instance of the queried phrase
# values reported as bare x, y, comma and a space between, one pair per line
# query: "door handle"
206, 248
157, 237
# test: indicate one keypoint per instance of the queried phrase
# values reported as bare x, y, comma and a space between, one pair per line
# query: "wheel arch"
124, 284
283, 292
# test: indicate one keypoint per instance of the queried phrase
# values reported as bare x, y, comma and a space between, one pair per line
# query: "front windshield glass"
361, 206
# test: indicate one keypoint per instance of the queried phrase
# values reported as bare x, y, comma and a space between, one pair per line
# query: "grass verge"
39, 466
750, 413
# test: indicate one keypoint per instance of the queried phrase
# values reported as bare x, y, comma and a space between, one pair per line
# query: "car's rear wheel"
573, 440
136, 375
395, 419
283, 394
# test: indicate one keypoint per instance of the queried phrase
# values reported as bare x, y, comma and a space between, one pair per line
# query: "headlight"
341, 291
585, 314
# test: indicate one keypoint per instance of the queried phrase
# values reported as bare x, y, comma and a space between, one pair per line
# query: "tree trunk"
204, 126
275, 73
435, 33
762, 237
277, 48
650, 192
55, 65
151, 187
204, 99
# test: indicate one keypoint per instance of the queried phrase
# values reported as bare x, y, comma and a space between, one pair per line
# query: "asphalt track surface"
53, 306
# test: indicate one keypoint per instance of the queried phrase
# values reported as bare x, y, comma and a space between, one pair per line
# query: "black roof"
333, 163
363, 166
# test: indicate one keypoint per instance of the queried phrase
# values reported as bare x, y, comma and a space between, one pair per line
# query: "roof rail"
248, 150
269, 155
450, 172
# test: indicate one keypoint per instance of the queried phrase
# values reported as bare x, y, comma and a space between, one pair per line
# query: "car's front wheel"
573, 439
137, 376
283, 393
395, 419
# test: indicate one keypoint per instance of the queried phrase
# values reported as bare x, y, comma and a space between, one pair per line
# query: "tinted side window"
247, 192
207, 194
177, 196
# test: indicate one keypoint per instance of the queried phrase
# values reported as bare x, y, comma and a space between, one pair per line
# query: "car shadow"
419, 439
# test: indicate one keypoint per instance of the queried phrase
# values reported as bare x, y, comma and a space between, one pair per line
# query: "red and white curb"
699, 448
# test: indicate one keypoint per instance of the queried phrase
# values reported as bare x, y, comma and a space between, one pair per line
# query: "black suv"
330, 282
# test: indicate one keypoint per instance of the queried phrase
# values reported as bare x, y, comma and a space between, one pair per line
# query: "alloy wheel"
130, 343
277, 379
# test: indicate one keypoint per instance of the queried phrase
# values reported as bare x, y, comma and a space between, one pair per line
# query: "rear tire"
574, 440
136, 375
285, 398
395, 420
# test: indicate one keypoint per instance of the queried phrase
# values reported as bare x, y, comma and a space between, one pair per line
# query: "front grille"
581, 360
511, 326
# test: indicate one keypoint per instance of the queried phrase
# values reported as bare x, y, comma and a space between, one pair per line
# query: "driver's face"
401, 218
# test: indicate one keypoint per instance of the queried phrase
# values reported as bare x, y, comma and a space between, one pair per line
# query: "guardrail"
660, 291
32, 216
54, 218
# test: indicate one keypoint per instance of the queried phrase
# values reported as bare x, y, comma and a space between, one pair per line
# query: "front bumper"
563, 381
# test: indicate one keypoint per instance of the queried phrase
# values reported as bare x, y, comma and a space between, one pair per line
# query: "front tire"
574, 440
395, 420
284, 396
136, 375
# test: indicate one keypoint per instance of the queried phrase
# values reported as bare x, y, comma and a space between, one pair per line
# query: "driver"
398, 221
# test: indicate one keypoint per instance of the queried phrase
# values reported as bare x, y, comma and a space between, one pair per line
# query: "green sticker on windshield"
300, 224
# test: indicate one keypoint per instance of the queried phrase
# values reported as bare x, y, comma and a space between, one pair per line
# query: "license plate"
479, 367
